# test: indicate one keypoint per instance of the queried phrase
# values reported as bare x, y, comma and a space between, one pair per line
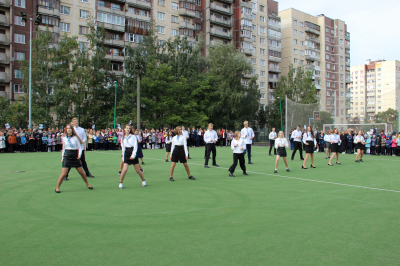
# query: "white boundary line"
291, 177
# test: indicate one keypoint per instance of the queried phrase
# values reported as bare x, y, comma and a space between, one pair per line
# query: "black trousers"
236, 157
187, 145
84, 165
298, 146
210, 147
272, 143
248, 151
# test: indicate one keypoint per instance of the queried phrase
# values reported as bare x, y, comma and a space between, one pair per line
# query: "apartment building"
374, 88
320, 45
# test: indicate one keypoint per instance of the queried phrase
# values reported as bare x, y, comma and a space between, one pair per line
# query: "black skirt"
168, 147
310, 146
281, 151
127, 157
327, 145
335, 147
71, 159
359, 146
178, 155
139, 152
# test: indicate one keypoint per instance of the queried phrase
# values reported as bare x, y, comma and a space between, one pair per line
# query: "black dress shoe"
171, 179
206, 166
330, 164
167, 160
231, 175
275, 172
287, 170
270, 154
338, 163
245, 173
57, 191
189, 158
192, 177
142, 163
302, 167
250, 163
90, 187
66, 179
312, 166
216, 165
90, 175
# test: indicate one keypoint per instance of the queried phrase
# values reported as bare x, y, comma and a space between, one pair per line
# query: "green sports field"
340, 215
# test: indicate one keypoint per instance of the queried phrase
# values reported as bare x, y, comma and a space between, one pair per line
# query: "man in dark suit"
193, 136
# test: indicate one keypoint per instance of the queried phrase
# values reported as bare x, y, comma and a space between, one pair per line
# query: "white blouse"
335, 138
139, 138
272, 135
359, 138
179, 141
281, 143
327, 138
210, 136
168, 140
71, 143
241, 143
307, 137
296, 134
129, 142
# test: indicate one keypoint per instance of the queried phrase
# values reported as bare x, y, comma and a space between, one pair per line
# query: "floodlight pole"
280, 109
30, 76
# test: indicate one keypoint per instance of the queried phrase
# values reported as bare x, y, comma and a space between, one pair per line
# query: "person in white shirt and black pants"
238, 146
281, 144
210, 138
129, 146
335, 142
168, 143
82, 135
310, 143
185, 134
297, 135
179, 153
272, 137
70, 156
247, 134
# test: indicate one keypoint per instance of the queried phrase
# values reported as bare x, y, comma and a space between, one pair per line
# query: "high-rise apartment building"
321, 45
374, 88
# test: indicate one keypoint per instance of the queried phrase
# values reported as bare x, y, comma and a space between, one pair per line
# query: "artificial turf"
324, 216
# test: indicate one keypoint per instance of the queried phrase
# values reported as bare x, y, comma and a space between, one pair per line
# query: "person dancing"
210, 138
272, 137
358, 141
168, 143
296, 136
335, 141
238, 146
281, 144
327, 140
129, 146
247, 134
179, 152
71, 154
139, 153
311, 143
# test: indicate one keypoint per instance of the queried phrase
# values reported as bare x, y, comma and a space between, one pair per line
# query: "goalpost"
365, 127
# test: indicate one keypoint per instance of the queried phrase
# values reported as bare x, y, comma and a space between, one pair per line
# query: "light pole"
115, 102
139, 71
280, 110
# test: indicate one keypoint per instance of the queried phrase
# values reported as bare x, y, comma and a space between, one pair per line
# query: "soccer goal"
366, 127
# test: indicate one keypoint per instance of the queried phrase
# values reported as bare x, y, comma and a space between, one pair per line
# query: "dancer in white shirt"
129, 146
335, 142
311, 143
238, 146
247, 134
185, 134
272, 137
281, 144
297, 136
70, 156
359, 141
210, 138
327, 140
179, 153
168, 143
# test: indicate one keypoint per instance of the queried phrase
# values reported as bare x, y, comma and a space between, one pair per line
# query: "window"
254, 61
175, 6
262, 29
20, 3
262, 8
262, 62
294, 41
160, 29
18, 74
294, 22
262, 73
130, 37
19, 38
18, 21
301, 43
83, 30
296, 61
262, 84
262, 18
83, 14
262, 96
19, 56
115, 6
301, 24
174, 32
85, 1
262, 51
18, 88
83, 46
262, 40
110, 18
301, 34
295, 32
295, 51
64, 26
174, 19
301, 52
101, 3
65, 10
161, 16
161, 2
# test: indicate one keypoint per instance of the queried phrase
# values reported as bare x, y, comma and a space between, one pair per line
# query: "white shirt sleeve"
172, 146
243, 133
233, 144
135, 146
123, 146
185, 148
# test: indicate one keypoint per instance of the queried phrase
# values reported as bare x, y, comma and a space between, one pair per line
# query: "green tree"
389, 116
325, 118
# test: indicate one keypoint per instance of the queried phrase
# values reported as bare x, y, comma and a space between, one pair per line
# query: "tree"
325, 118
389, 116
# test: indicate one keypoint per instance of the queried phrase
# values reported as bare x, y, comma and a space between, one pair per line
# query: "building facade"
374, 88
320, 45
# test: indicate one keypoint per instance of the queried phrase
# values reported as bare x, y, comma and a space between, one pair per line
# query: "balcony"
4, 20
312, 57
246, 51
246, 16
274, 70
49, 11
111, 11
274, 37
111, 26
52, 29
317, 86
317, 67
3, 77
347, 35
348, 80
316, 40
347, 45
348, 115
5, 3
311, 30
3, 58
309, 67
118, 72
226, 1
274, 48
139, 3
246, 27
245, 4
347, 63
4, 39
220, 9
274, 27
247, 75
114, 57
138, 17
274, 59
186, 25
223, 22
187, 12
190, 39
119, 43
221, 34
273, 79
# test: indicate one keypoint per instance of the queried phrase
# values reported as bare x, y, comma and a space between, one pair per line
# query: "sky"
373, 24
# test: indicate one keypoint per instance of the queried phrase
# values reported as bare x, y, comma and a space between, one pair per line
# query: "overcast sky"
373, 24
